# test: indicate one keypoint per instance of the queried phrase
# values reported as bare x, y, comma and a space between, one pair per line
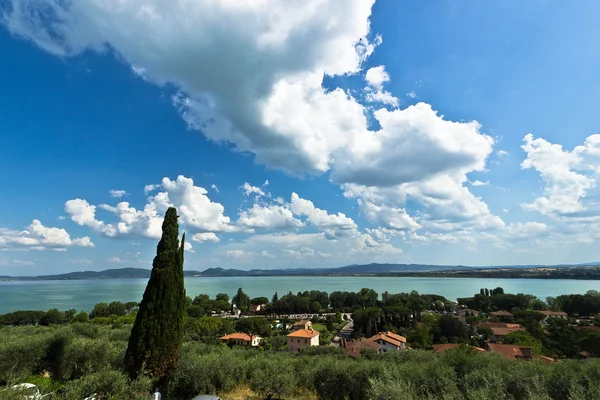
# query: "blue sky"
290, 135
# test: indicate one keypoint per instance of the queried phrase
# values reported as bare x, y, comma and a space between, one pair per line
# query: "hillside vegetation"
77, 360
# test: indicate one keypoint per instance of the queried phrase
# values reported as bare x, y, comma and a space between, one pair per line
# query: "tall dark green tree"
158, 331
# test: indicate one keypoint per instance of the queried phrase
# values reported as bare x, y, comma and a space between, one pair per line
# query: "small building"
302, 324
503, 315
440, 348
389, 341
499, 333
355, 347
254, 308
302, 338
510, 351
492, 324
241, 339
552, 314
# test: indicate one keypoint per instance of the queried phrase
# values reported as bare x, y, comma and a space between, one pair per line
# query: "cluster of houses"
302, 335
509, 351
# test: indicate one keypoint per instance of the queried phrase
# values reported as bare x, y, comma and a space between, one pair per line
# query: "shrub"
109, 385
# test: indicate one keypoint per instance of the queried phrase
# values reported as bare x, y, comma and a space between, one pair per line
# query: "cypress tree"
157, 334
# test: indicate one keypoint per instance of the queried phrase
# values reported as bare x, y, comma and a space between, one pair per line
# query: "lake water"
84, 294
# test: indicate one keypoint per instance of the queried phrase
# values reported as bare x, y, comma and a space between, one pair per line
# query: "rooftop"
388, 339
510, 351
304, 333
505, 331
439, 348
552, 313
239, 336
501, 313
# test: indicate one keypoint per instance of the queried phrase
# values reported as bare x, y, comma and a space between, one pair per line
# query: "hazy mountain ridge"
355, 269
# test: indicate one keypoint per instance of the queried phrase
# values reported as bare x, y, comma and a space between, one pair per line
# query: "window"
298, 340
305, 340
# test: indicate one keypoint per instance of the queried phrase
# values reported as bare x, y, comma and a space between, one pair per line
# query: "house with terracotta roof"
241, 339
440, 348
552, 314
302, 338
499, 333
355, 347
492, 324
510, 351
389, 341
503, 315
302, 324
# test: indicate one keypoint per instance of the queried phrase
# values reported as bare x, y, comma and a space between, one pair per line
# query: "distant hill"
367, 269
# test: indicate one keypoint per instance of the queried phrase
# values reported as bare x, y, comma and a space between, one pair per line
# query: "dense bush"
74, 361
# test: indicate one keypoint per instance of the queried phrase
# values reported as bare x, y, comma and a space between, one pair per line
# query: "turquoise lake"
84, 294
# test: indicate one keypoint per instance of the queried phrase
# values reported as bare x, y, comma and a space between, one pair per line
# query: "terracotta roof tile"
509, 351
438, 348
238, 336
396, 337
552, 313
501, 313
505, 331
304, 333
385, 338
353, 348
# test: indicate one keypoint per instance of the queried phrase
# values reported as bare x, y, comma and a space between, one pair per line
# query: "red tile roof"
238, 336
491, 324
552, 313
501, 313
386, 338
510, 351
505, 331
353, 348
438, 348
304, 333
396, 337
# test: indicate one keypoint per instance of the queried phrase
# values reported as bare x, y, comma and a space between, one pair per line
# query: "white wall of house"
385, 347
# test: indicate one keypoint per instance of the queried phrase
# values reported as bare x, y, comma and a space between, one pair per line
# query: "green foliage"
259, 300
53, 317
100, 310
81, 317
254, 325
270, 379
523, 338
452, 329
241, 300
109, 385
159, 325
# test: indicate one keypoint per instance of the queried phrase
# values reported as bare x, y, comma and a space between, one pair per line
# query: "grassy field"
319, 327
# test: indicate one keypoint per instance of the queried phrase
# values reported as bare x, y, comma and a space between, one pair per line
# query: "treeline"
73, 362
103, 313
583, 273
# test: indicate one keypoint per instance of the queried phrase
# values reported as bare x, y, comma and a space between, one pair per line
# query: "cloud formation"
39, 237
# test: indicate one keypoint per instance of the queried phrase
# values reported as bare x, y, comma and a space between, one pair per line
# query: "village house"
354, 348
241, 339
439, 348
302, 324
254, 308
302, 338
552, 314
389, 341
503, 315
508, 351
